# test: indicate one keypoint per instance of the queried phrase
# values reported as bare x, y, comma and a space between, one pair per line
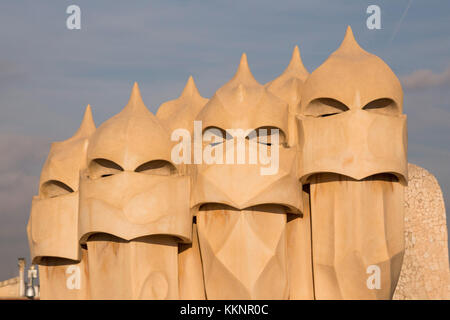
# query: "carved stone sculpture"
53, 224
353, 137
175, 115
296, 189
242, 215
134, 207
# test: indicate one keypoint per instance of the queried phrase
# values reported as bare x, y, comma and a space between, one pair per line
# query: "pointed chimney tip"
243, 64
243, 71
296, 52
87, 126
190, 88
135, 92
349, 41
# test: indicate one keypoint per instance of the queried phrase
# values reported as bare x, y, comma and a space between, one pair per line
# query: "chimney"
21, 264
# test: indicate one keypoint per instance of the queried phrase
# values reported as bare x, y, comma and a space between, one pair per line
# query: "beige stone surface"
9, 289
178, 114
353, 79
145, 268
299, 247
353, 151
190, 270
242, 215
288, 86
181, 112
425, 272
243, 103
351, 119
378, 144
134, 207
244, 252
241, 185
356, 224
117, 218
53, 224
62, 279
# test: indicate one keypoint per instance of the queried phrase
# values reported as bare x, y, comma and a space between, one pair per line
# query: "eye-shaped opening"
382, 106
324, 107
214, 136
267, 136
102, 168
54, 188
157, 167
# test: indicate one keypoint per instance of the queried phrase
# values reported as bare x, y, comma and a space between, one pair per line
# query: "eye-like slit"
102, 168
266, 135
383, 106
325, 107
157, 167
55, 188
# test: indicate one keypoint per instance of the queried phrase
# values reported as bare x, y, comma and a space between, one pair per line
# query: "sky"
48, 74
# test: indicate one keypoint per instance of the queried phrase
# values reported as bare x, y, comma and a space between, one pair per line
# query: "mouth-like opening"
264, 207
162, 239
324, 177
53, 261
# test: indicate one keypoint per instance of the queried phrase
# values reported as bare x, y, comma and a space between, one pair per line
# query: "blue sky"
48, 74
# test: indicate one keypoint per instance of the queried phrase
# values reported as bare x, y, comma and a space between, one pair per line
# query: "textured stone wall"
425, 272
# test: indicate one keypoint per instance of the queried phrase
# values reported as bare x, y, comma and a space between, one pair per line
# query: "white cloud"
424, 78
